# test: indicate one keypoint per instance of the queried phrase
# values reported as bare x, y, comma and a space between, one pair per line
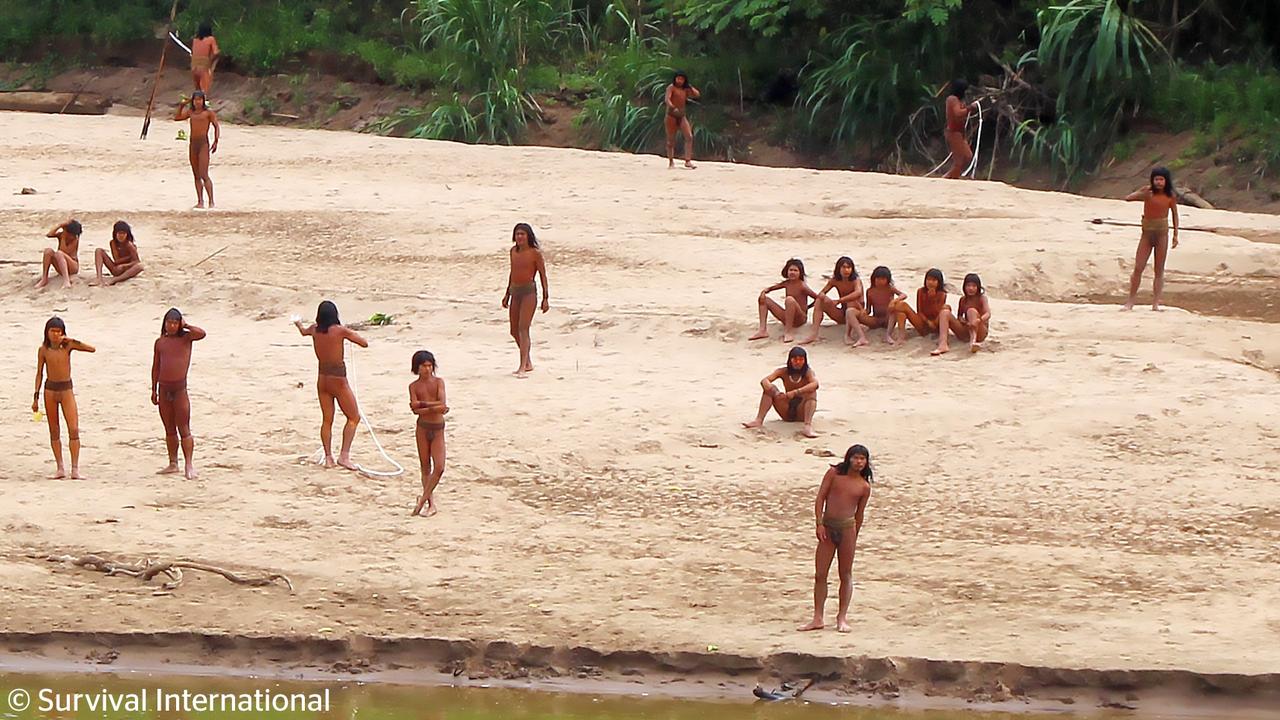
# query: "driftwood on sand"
82, 103
148, 568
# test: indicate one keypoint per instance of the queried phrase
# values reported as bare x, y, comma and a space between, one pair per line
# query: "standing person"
197, 110
65, 258
796, 303
327, 338
972, 320
122, 261
169, 365
54, 356
957, 112
1159, 202
204, 57
676, 100
797, 401
427, 401
838, 511
521, 297
844, 309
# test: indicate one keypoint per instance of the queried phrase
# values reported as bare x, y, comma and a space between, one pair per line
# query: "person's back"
328, 344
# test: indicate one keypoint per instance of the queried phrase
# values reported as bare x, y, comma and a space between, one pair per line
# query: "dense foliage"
853, 79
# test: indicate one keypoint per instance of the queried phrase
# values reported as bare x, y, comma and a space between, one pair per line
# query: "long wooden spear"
173, 14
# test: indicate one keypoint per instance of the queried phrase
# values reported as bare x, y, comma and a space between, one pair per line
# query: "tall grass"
1224, 103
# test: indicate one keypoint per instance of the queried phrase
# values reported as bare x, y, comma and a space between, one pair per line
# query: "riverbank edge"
909, 683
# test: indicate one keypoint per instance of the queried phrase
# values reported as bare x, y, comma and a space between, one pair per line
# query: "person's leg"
767, 306
193, 156
129, 272
853, 324
687, 128
527, 309
167, 418
945, 323
46, 262
1139, 266
424, 464
793, 318
821, 567
671, 125
204, 172
845, 567
182, 418
326, 420
437, 471
72, 415
51, 407
347, 401
1161, 252
807, 410
102, 258
768, 399
822, 305
63, 268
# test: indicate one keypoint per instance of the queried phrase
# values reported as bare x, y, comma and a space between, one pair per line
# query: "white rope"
175, 39
319, 454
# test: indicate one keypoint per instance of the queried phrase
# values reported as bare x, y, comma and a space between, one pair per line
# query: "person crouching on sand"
328, 336
798, 399
838, 512
972, 319
427, 401
122, 261
54, 356
792, 313
169, 365
521, 297
65, 258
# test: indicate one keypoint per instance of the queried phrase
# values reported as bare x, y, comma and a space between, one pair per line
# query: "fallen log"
55, 102
147, 568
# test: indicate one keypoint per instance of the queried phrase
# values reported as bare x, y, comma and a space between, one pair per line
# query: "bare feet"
329, 463
759, 336
1127, 306
888, 337
861, 341
75, 474
808, 432
810, 339
975, 347
843, 626
42, 282
198, 206
787, 337
1157, 308
814, 625
431, 510
940, 350
191, 472
60, 474
346, 463
752, 424
671, 165
519, 372
689, 164
169, 469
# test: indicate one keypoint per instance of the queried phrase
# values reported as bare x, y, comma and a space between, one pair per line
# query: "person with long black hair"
838, 514
1159, 202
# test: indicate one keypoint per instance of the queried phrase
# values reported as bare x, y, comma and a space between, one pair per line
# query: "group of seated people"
881, 305
120, 258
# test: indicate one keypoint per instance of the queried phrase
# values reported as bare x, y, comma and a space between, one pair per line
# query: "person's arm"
354, 337
155, 374
1138, 195
35, 397
667, 98
808, 291
693, 92
56, 232
898, 294
857, 515
820, 502
306, 331
542, 273
771, 288
217, 132
1174, 209
806, 389
183, 113
767, 381
82, 347
193, 333
854, 298
215, 53
985, 315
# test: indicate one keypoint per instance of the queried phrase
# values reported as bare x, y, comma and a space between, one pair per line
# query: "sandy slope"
1099, 489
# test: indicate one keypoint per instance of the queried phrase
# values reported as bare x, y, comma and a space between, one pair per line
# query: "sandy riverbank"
1097, 491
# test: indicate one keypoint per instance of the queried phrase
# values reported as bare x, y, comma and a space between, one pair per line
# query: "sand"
1096, 489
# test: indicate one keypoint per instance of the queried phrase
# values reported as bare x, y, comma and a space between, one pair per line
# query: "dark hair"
205, 30
959, 87
74, 227
796, 352
680, 74
533, 239
199, 94
1168, 180
881, 272
973, 278
122, 226
843, 467
173, 314
326, 316
835, 274
423, 356
53, 322
936, 274
793, 261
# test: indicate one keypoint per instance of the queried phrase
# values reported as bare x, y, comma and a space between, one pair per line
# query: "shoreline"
899, 683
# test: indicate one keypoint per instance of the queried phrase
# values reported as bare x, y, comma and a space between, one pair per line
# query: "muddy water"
138, 697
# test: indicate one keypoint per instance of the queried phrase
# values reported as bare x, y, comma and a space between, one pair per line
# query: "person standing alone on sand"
169, 365
204, 57
327, 338
957, 113
199, 150
798, 398
676, 101
521, 297
64, 258
838, 511
1159, 201
427, 401
55, 357
122, 261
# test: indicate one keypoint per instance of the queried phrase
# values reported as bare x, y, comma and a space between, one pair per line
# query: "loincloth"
433, 428
836, 527
171, 389
57, 385
1159, 224
338, 369
523, 290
